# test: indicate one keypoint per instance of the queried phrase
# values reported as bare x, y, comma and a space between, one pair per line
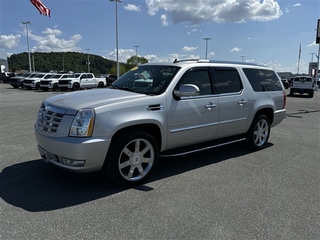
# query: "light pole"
88, 59
207, 39
312, 56
118, 68
34, 67
26, 23
63, 62
136, 54
242, 57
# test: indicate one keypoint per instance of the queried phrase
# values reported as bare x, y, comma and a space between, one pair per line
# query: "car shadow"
36, 186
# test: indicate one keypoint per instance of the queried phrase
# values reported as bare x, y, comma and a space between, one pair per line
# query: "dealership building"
4, 61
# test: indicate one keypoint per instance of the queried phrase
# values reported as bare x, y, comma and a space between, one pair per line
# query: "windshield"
147, 79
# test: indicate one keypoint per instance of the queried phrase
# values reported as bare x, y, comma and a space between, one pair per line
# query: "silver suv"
159, 110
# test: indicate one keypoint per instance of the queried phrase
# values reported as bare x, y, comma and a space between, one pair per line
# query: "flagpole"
299, 59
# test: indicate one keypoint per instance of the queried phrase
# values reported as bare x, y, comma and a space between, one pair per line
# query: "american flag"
42, 8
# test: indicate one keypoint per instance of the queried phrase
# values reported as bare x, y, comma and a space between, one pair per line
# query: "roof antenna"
175, 61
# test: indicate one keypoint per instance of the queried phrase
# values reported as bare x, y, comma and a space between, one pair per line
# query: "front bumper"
61, 151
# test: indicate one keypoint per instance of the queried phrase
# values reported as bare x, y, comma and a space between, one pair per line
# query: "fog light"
71, 162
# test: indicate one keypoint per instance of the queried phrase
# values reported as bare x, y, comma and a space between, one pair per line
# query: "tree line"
69, 61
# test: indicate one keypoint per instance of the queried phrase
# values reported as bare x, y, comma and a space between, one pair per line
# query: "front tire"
76, 87
259, 132
132, 157
55, 87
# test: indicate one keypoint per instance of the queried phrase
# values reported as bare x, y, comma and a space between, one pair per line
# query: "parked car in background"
18, 81
52, 83
285, 82
79, 81
34, 81
290, 81
163, 109
111, 78
301, 85
6, 76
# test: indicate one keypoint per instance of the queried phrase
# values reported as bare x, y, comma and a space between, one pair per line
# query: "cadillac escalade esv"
159, 110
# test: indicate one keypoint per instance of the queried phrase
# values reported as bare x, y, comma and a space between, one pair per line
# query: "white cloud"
164, 20
51, 43
50, 31
211, 54
235, 49
215, 11
9, 41
188, 49
132, 7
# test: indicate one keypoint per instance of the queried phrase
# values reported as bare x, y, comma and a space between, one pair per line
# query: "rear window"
263, 80
303, 79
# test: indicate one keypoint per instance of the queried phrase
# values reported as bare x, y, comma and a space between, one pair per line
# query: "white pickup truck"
302, 84
79, 81
52, 82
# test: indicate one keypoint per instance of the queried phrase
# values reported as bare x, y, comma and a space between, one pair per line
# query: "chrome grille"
49, 119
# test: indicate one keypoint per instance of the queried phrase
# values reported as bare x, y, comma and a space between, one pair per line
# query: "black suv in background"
111, 78
6, 76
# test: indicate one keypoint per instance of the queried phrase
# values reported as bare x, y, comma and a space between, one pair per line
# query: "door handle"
210, 105
242, 101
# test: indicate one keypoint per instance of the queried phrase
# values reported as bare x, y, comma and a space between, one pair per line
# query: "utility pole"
26, 23
207, 39
88, 59
117, 37
136, 54
242, 57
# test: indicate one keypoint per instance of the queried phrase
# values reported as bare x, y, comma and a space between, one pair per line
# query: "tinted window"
227, 80
303, 79
263, 80
200, 78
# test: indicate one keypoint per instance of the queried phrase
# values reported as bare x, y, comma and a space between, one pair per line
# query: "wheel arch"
150, 128
268, 111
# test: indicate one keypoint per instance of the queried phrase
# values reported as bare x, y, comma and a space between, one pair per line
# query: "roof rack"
185, 60
236, 62
216, 61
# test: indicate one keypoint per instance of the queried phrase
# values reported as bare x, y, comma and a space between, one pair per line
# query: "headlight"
82, 125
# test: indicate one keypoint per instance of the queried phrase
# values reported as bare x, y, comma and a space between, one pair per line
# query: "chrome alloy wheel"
136, 159
261, 132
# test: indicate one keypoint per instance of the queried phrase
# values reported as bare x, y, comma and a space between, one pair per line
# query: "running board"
199, 147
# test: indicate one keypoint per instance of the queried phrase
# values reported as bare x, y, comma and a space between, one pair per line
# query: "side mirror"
187, 90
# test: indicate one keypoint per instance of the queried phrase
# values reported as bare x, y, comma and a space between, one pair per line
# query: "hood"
72, 102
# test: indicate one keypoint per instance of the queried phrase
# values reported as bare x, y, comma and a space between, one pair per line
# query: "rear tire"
132, 157
258, 133
311, 94
100, 85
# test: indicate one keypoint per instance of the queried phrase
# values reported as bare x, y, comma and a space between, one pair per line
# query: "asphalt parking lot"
224, 193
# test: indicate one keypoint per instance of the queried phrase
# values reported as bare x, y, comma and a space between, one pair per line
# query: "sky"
269, 32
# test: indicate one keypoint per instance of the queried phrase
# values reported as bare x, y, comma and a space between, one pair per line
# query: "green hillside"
59, 61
